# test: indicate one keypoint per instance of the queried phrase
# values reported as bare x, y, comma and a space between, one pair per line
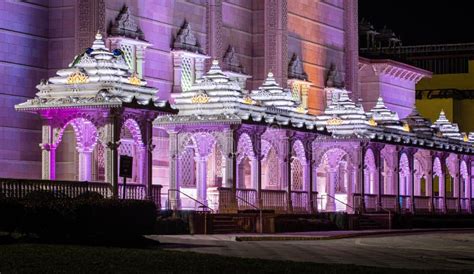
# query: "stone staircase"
373, 221
224, 224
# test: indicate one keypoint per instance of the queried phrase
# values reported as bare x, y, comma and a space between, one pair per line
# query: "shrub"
77, 218
89, 195
340, 219
171, 225
11, 213
115, 217
40, 196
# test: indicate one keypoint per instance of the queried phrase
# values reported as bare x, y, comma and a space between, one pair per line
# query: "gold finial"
301, 109
200, 98
406, 127
336, 121
77, 78
135, 80
372, 122
248, 100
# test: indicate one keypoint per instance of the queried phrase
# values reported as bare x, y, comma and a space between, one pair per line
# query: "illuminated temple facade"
225, 104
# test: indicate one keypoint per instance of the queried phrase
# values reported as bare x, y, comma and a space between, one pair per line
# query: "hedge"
86, 216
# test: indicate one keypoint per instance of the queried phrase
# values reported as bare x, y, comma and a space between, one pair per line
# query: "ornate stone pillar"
306, 175
470, 191
214, 29
283, 172
240, 175
141, 164
397, 177
174, 197
201, 179
85, 164
48, 152
469, 184
411, 159
275, 37
442, 189
456, 183
289, 147
367, 177
350, 177
351, 48
353, 186
230, 150
378, 169
330, 202
256, 172
362, 176
112, 142
147, 153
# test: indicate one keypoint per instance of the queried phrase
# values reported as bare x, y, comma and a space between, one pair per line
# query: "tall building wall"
316, 34
24, 54
39, 37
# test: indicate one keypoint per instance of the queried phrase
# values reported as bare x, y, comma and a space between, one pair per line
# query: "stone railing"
438, 204
370, 202
405, 203
274, 199
357, 202
247, 197
226, 200
133, 191
156, 195
299, 201
389, 201
314, 201
465, 206
19, 188
451, 204
422, 203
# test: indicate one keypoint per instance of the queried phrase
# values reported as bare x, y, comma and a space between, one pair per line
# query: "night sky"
419, 22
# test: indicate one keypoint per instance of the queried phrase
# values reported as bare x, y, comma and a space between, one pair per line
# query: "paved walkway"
303, 236
427, 250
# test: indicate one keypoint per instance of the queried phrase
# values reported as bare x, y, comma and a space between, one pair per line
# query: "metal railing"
389, 215
201, 203
255, 207
335, 199
19, 188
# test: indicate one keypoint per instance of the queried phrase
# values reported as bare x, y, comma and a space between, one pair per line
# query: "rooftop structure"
108, 107
97, 77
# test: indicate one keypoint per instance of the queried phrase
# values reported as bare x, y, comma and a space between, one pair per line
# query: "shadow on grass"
137, 242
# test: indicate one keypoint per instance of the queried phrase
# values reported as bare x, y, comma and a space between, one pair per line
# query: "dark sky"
420, 22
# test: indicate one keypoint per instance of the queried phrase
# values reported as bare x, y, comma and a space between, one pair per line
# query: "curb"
342, 236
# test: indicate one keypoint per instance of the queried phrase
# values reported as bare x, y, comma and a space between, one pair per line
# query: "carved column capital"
47, 146
112, 145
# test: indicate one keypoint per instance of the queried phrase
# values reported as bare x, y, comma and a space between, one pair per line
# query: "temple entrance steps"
371, 221
225, 224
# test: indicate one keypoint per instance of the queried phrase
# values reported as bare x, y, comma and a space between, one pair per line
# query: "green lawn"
40, 258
